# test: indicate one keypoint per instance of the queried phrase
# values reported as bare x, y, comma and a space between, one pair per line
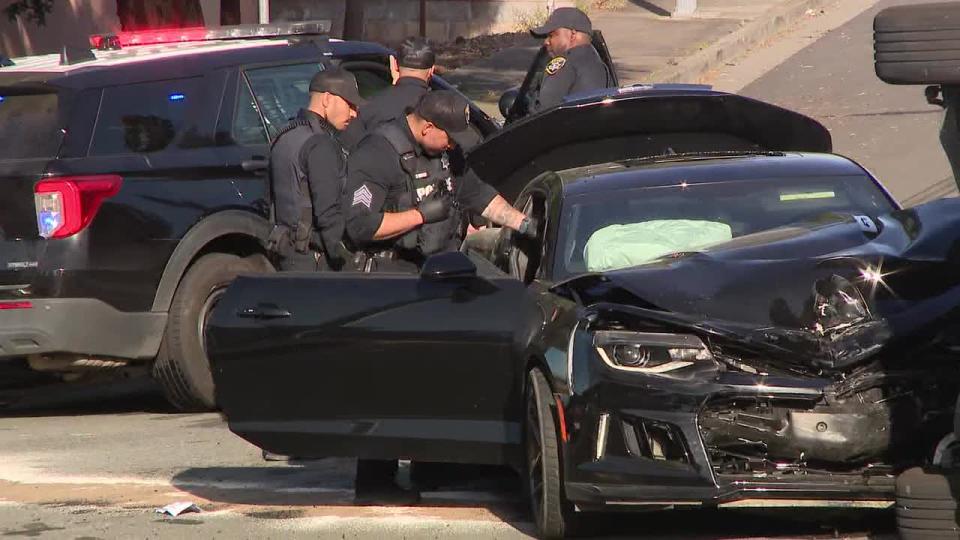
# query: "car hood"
636, 122
828, 293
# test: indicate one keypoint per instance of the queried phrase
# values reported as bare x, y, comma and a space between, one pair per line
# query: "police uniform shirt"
323, 159
580, 70
376, 181
389, 104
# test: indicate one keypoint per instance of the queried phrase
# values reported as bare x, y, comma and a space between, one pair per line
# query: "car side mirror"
453, 264
507, 101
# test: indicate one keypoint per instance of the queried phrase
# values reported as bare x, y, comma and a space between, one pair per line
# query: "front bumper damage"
820, 388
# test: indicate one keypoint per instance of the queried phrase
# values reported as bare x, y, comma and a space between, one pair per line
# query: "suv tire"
182, 367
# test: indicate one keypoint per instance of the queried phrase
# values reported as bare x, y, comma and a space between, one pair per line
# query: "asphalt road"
889, 129
92, 463
97, 462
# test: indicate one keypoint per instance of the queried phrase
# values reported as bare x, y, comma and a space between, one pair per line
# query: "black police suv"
135, 189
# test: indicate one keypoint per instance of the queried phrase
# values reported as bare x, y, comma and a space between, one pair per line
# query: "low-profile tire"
927, 504
182, 367
552, 513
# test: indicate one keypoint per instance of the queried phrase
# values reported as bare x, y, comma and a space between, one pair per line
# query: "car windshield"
617, 229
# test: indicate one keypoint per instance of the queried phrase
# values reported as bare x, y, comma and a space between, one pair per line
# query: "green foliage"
30, 10
524, 20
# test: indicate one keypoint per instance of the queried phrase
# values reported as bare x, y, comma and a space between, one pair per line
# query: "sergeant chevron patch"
363, 196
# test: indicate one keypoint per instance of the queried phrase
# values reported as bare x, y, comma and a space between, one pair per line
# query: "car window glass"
248, 128
371, 81
281, 91
630, 227
143, 117
29, 125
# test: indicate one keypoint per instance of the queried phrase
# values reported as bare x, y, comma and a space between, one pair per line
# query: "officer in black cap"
398, 212
397, 208
307, 167
411, 69
575, 65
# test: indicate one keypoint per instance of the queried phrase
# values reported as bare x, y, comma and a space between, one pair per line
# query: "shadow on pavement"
324, 483
329, 483
51, 398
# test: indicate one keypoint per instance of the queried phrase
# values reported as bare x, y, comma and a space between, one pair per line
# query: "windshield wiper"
690, 156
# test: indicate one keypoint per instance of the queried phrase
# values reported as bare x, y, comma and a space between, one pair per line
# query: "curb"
692, 68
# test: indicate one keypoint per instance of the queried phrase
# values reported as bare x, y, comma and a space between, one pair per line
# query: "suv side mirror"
507, 100
453, 264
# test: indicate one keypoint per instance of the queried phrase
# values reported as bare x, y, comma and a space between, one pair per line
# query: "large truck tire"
927, 504
918, 44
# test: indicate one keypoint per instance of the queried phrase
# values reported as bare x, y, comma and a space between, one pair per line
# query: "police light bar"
118, 40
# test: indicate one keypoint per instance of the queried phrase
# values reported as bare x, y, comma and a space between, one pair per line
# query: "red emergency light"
200, 33
147, 37
15, 305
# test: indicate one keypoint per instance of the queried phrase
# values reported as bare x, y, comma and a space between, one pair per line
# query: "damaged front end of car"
808, 369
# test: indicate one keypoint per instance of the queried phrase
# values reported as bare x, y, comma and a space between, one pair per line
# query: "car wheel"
927, 504
552, 513
182, 367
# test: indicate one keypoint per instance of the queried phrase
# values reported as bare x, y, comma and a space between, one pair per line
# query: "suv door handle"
263, 311
252, 165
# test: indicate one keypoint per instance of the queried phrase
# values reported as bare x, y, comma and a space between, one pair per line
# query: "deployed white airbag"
633, 244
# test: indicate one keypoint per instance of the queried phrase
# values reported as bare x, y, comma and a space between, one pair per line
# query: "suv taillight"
67, 204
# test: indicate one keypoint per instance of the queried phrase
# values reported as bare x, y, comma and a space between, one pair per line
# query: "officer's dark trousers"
294, 261
950, 131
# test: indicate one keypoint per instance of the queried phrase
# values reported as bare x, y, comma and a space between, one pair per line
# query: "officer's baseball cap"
416, 53
445, 109
565, 17
338, 82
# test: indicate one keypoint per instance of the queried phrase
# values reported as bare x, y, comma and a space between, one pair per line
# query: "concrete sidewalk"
648, 45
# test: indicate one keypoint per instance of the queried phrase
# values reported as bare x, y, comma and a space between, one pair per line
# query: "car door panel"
371, 365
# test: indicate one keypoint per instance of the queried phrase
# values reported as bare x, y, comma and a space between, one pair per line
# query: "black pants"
375, 473
310, 261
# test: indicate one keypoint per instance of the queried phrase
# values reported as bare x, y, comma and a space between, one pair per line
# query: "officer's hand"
434, 209
339, 256
529, 227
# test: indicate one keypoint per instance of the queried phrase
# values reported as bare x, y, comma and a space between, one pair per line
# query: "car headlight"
650, 353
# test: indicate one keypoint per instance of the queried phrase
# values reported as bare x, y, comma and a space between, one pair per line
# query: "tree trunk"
353, 19
146, 14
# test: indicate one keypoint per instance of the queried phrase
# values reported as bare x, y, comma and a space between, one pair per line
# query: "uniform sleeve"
473, 193
324, 169
368, 182
557, 84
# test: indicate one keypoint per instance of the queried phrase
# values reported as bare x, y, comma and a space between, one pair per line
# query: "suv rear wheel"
182, 367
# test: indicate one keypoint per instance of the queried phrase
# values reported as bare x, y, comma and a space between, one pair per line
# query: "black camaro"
717, 312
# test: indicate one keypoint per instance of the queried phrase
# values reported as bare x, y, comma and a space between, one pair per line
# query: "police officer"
950, 129
394, 192
307, 166
400, 209
575, 65
411, 69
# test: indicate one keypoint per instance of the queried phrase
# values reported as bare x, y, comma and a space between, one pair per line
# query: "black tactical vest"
427, 178
293, 207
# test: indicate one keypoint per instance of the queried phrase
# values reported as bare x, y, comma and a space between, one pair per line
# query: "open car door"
375, 365
516, 104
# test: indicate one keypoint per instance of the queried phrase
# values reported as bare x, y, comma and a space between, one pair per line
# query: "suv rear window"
143, 117
29, 125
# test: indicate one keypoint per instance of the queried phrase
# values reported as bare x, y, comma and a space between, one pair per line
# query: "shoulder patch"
556, 65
